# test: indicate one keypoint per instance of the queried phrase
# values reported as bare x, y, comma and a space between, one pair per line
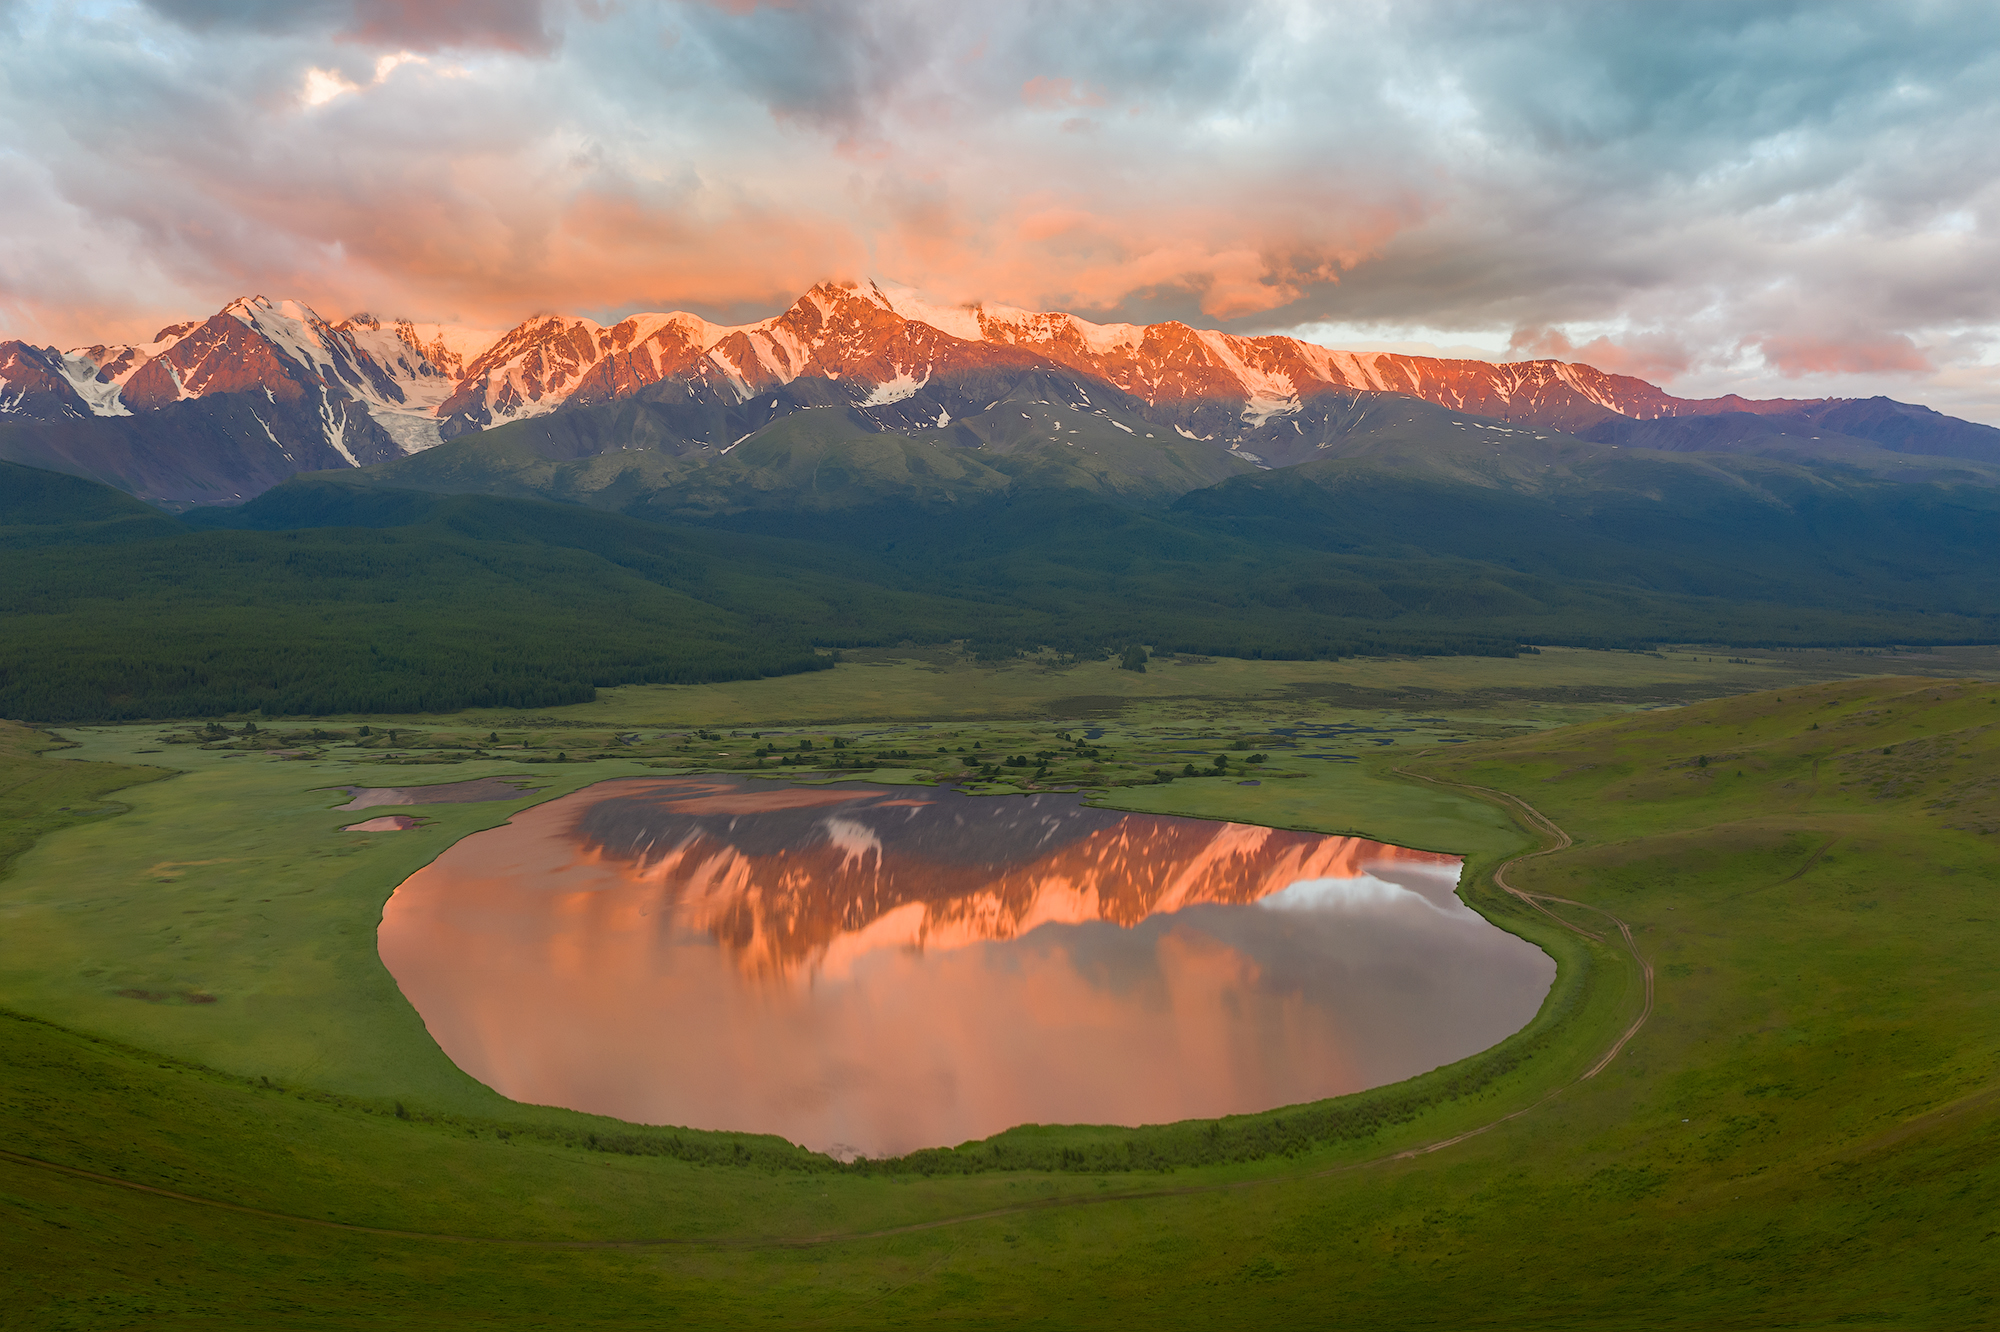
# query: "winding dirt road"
1561, 841
1528, 814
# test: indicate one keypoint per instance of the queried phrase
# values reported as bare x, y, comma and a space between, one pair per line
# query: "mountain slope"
679, 450
220, 449
369, 392
216, 410
814, 444
1737, 530
1554, 540
41, 508
334, 594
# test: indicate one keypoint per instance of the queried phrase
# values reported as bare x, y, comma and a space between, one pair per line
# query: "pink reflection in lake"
444, 793
872, 968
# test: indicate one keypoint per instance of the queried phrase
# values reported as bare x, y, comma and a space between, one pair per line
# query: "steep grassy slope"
1266, 566
1433, 517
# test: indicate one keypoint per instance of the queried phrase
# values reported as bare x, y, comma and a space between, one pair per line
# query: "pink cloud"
1059, 94
1067, 252
1652, 356
743, 8
1886, 354
428, 25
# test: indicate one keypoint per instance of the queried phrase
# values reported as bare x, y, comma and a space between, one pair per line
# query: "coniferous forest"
323, 597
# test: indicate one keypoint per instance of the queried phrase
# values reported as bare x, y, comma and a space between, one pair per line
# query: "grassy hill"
42, 508
1802, 1132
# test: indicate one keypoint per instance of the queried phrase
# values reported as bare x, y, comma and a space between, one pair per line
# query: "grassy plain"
942, 684
1802, 1135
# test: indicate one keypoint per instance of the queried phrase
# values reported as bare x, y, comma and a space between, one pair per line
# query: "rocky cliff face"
35, 384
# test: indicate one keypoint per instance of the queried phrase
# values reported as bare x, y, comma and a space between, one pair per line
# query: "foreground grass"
1803, 1135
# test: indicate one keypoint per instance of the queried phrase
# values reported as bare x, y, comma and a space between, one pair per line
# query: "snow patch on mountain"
100, 396
110, 367
426, 361
895, 390
1103, 339
336, 432
414, 430
1261, 409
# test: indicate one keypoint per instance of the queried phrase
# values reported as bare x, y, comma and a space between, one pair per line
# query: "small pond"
870, 969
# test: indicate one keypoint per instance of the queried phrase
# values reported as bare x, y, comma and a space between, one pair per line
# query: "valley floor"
1801, 1134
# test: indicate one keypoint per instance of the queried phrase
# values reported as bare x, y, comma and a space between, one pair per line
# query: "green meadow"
220, 1112
941, 683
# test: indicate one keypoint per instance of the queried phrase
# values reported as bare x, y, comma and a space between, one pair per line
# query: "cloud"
1054, 94
1794, 357
1651, 355
1772, 198
423, 25
431, 25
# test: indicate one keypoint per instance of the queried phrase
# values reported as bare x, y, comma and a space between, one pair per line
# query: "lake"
869, 969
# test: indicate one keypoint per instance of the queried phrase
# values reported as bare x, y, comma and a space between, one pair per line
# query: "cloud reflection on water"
892, 968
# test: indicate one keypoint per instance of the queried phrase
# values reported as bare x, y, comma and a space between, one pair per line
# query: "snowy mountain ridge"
300, 391
420, 381
891, 337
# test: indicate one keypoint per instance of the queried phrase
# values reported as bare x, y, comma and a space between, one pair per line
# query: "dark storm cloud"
849, 63
1760, 149
1773, 194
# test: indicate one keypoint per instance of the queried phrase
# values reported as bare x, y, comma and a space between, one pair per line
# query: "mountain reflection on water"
874, 968
790, 877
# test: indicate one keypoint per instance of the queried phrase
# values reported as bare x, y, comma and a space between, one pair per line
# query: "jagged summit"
367, 389
883, 334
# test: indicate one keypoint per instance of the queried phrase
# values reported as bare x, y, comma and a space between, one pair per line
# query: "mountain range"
219, 410
384, 516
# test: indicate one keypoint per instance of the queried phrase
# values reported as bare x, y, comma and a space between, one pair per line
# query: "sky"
1782, 200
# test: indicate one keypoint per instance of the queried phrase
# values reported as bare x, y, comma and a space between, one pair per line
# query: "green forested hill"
328, 621
1042, 433
39, 508
818, 457
1740, 529
1419, 531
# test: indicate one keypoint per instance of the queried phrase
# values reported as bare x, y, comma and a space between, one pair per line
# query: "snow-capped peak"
960, 321
886, 341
